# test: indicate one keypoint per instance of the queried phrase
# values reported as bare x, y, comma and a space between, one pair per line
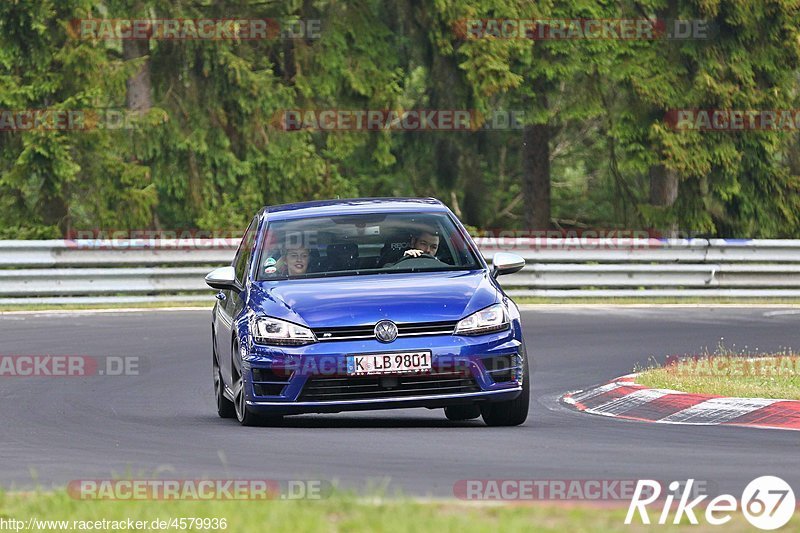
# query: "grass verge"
339, 513
728, 373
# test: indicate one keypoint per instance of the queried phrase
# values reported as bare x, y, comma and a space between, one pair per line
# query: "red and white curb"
623, 398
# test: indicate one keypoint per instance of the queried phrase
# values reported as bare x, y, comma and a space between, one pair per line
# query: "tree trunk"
138, 96
138, 88
476, 196
664, 182
663, 186
447, 92
54, 210
536, 169
664, 192
289, 64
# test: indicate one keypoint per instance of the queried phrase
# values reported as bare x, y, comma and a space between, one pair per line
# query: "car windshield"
363, 244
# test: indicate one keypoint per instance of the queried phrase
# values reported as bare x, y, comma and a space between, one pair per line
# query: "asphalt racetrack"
163, 423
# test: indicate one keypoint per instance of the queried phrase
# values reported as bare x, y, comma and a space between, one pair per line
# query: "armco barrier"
139, 271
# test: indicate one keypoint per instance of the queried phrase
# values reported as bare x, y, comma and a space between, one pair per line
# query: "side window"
245, 251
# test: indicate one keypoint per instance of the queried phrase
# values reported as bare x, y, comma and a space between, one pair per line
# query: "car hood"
366, 299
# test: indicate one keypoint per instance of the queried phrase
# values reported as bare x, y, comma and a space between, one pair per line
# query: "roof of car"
353, 206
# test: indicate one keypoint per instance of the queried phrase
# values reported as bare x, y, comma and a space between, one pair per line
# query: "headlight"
268, 330
493, 318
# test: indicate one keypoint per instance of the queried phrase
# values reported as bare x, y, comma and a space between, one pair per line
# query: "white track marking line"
627, 402
718, 410
591, 393
782, 312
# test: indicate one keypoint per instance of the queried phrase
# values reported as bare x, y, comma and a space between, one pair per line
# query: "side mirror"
224, 279
505, 263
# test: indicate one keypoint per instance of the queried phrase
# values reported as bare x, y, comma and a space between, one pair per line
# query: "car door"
231, 302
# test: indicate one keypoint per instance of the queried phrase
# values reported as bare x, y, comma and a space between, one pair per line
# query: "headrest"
343, 249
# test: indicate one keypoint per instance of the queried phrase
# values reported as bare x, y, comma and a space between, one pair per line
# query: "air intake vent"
503, 368
267, 382
330, 389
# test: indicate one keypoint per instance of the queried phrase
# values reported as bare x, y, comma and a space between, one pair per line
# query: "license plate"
388, 363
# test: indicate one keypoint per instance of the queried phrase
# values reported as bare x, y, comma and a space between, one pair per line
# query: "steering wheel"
420, 256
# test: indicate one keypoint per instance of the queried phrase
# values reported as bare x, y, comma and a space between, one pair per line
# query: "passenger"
293, 261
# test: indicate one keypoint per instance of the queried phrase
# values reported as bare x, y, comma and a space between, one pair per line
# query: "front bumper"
293, 380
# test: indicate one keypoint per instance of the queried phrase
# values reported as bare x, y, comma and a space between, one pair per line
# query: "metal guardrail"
138, 271
111, 253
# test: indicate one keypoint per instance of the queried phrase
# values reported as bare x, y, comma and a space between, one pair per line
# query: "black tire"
225, 407
462, 412
512, 412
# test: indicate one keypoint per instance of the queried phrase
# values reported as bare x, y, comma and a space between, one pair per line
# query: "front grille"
330, 389
368, 332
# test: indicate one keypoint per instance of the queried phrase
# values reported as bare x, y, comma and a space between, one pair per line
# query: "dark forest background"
595, 150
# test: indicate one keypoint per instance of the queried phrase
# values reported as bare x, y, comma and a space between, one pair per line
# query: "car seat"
342, 256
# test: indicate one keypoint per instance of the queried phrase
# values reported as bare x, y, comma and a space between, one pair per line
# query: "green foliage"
210, 151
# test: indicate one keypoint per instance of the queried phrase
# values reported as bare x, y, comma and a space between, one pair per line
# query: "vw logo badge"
386, 331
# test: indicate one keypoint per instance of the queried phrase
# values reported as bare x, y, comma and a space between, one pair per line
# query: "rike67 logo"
768, 503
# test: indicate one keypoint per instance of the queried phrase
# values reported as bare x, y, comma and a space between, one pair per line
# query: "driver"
425, 241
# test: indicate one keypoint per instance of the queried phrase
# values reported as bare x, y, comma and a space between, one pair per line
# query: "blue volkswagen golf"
375, 303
